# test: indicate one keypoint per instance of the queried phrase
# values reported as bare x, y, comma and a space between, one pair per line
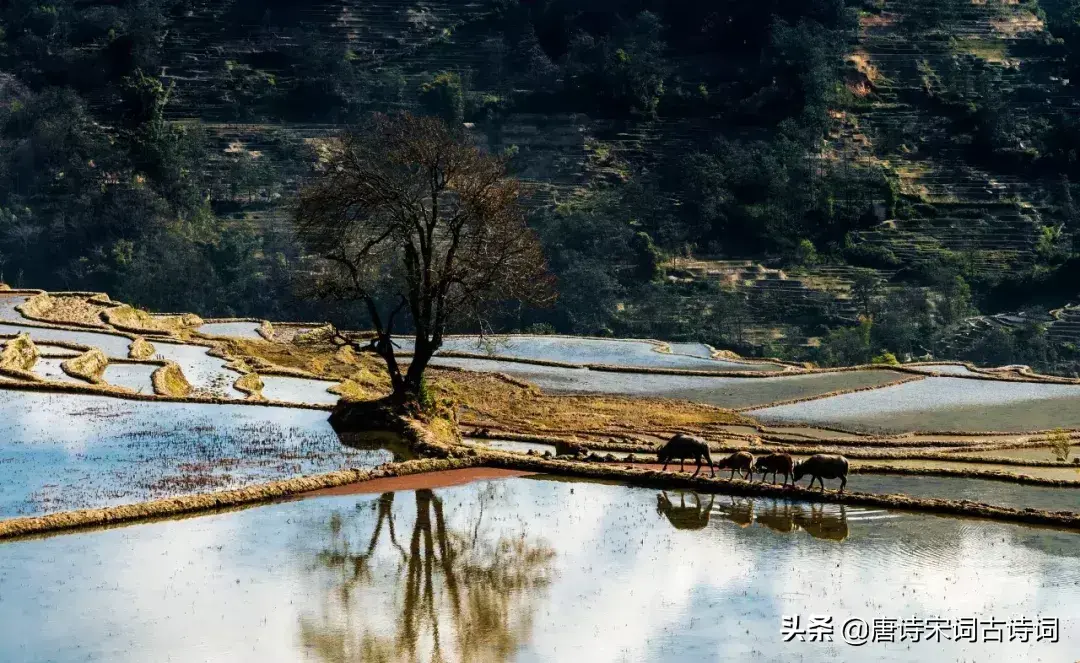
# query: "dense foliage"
729, 101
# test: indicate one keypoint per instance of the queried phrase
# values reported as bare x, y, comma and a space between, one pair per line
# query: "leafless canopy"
405, 211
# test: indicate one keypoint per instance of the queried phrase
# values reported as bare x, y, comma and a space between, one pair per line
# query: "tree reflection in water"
482, 590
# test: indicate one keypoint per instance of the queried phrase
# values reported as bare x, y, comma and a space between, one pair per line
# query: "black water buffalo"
775, 463
823, 466
684, 446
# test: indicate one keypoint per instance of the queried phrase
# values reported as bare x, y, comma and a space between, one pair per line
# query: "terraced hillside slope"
828, 181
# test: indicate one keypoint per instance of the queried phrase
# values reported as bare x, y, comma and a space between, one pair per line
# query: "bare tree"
406, 215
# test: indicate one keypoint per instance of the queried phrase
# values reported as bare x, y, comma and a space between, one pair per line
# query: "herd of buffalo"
820, 467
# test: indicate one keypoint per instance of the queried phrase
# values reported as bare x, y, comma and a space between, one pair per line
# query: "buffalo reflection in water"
779, 516
683, 516
450, 595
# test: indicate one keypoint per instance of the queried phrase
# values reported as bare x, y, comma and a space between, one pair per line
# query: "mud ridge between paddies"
463, 459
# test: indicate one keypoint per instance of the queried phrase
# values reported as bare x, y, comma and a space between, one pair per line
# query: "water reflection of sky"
941, 403
606, 577
614, 352
67, 451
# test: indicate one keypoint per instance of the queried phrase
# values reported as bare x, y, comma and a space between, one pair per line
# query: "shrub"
1059, 444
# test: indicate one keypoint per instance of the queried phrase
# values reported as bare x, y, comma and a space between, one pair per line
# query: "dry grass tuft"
133, 320
89, 366
169, 380
19, 354
68, 309
141, 349
251, 384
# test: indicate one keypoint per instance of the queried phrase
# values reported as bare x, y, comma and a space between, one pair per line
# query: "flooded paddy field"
206, 373
50, 368
136, 377
1030, 453
945, 369
297, 390
940, 404
612, 352
8, 313
112, 345
692, 349
1065, 472
721, 391
248, 330
56, 350
998, 493
66, 451
529, 569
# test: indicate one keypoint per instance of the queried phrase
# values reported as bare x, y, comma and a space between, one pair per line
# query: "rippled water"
113, 345
722, 391
941, 404
527, 570
999, 493
204, 372
612, 352
68, 451
237, 329
297, 390
137, 377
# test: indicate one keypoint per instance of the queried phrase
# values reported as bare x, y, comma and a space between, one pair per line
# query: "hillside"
758, 176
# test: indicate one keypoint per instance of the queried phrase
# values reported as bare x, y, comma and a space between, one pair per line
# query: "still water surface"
527, 570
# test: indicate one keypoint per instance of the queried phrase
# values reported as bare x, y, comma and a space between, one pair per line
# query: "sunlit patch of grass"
991, 50
64, 309
127, 318
169, 380
490, 400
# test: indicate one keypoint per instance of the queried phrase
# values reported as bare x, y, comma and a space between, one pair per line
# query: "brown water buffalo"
743, 461
775, 463
683, 446
823, 466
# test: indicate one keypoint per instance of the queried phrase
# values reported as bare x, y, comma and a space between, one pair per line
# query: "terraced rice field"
721, 391
50, 369
1033, 453
248, 330
945, 369
1063, 473
998, 493
206, 374
56, 350
112, 345
940, 404
66, 451
684, 578
137, 377
297, 390
692, 349
629, 353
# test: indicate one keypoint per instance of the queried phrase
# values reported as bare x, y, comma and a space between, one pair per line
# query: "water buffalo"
823, 466
743, 461
775, 463
684, 446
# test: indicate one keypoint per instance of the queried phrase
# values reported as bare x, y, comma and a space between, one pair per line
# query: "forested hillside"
823, 180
